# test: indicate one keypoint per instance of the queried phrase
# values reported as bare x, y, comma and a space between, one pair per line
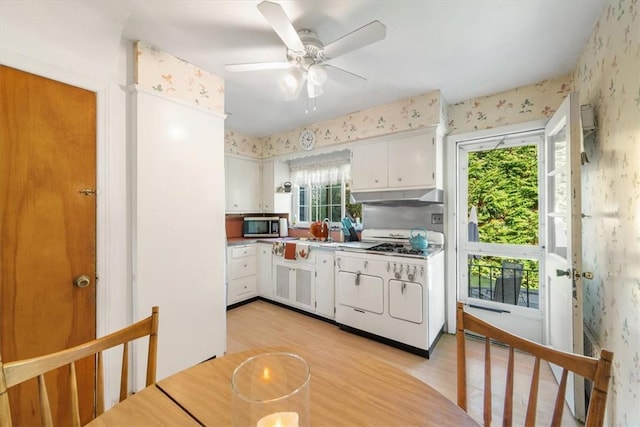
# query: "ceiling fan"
307, 55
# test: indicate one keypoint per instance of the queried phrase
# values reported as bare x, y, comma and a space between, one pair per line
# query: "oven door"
362, 292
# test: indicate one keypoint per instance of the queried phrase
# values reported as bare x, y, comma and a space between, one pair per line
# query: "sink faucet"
328, 222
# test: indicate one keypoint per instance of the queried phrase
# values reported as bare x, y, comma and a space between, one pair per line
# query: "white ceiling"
463, 48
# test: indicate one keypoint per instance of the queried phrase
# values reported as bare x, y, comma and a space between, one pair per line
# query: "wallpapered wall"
608, 77
522, 104
410, 113
161, 72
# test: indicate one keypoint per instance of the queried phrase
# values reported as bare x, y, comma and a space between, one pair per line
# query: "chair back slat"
559, 405
124, 373
532, 407
45, 407
487, 382
597, 370
507, 416
75, 404
13, 373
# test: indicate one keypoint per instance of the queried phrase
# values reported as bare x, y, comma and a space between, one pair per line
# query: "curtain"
327, 173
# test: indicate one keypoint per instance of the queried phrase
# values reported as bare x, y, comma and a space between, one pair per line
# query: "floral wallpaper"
409, 113
523, 104
238, 143
161, 72
608, 77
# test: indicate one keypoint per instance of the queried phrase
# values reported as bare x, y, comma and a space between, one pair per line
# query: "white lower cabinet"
325, 290
294, 283
241, 271
265, 267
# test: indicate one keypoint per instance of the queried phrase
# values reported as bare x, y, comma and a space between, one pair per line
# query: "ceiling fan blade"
257, 66
370, 33
345, 77
279, 21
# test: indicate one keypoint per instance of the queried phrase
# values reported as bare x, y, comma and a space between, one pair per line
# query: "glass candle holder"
271, 389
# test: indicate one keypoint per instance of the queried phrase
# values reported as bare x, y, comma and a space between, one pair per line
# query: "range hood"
389, 197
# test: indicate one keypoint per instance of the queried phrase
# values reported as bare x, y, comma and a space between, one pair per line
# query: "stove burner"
398, 248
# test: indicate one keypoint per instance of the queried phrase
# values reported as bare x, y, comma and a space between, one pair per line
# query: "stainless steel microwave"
261, 226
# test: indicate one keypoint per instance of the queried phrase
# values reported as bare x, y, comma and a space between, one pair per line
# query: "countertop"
236, 241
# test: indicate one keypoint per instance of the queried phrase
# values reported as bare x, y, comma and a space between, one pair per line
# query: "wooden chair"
12, 373
594, 369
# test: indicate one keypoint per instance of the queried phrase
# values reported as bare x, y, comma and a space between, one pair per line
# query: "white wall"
178, 233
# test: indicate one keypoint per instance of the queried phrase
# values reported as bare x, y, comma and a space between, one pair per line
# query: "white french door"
563, 251
499, 269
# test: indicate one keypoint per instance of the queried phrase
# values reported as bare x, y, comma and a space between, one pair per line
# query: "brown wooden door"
47, 233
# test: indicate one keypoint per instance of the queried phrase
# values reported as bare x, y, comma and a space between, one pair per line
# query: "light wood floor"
261, 324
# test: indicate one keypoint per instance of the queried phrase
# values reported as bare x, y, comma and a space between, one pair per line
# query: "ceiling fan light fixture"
313, 91
291, 81
317, 74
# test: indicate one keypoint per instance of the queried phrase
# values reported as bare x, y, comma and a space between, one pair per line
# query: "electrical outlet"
436, 219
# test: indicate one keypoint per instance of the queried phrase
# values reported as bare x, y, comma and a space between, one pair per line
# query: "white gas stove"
390, 292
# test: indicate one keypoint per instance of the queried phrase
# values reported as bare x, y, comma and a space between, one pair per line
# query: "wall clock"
307, 139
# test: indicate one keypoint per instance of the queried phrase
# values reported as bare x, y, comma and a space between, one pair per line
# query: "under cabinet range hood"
416, 196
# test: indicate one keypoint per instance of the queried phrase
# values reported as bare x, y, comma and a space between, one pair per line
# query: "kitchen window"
321, 189
317, 202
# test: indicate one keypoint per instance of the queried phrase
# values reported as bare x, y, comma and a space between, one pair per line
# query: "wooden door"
47, 233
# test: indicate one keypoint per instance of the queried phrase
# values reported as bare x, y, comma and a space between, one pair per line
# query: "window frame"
295, 206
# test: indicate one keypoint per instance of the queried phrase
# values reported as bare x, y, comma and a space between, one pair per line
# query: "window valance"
324, 169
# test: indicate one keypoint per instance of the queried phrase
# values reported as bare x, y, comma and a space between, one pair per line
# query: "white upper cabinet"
412, 161
244, 185
398, 162
369, 165
274, 174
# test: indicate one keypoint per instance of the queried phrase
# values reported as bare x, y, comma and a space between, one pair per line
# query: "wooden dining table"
348, 388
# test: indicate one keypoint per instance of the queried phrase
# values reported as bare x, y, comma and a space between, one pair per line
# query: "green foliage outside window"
503, 185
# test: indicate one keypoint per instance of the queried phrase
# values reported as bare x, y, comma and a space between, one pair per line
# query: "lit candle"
279, 419
266, 374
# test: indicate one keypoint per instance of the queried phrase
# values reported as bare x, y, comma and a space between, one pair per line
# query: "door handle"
561, 273
82, 281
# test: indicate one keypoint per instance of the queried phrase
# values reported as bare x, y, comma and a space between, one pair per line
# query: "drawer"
242, 288
243, 251
242, 267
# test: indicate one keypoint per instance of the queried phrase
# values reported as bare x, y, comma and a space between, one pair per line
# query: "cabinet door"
304, 291
244, 185
241, 289
265, 259
295, 284
324, 284
268, 187
406, 301
369, 166
412, 161
282, 282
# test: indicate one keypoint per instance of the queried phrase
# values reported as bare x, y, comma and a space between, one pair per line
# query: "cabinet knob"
375, 180
399, 179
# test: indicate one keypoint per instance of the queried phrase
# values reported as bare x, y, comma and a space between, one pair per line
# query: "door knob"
82, 281
561, 273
